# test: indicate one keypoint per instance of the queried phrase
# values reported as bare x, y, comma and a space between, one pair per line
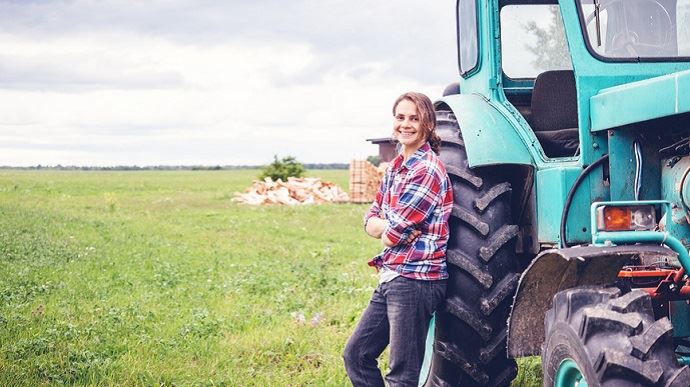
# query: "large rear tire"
609, 340
470, 340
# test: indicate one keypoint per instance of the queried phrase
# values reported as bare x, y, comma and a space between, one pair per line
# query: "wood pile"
365, 179
303, 190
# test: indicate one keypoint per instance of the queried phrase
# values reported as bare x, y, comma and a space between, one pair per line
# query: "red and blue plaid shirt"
414, 194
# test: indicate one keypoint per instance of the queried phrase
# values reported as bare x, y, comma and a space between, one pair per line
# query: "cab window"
468, 48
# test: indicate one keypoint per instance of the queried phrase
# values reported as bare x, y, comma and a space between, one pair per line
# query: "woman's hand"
413, 236
377, 225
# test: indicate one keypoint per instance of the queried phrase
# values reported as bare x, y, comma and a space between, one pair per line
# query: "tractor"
567, 141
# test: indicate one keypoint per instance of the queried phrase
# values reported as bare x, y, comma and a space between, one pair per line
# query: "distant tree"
551, 48
282, 169
376, 160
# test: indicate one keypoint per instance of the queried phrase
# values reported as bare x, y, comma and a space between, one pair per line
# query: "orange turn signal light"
617, 218
626, 218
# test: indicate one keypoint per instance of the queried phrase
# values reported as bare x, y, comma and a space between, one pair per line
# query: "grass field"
157, 278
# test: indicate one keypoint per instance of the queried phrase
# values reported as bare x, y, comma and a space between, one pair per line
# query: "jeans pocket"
403, 291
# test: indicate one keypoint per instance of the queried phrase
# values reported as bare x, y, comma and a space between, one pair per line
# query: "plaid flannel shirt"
415, 194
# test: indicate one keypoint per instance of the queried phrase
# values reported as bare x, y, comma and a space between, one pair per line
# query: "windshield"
532, 40
632, 29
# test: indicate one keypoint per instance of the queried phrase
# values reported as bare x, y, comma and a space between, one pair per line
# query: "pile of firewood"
365, 179
302, 190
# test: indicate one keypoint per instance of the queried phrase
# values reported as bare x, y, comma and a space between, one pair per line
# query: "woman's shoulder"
431, 164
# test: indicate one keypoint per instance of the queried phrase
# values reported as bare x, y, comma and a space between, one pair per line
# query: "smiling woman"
410, 216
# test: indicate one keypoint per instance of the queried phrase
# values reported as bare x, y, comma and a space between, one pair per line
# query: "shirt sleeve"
416, 202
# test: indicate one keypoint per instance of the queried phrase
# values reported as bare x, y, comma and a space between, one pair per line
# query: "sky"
209, 82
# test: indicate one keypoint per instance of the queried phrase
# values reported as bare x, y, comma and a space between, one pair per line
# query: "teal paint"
488, 134
644, 100
675, 184
428, 351
622, 165
552, 188
644, 237
679, 314
569, 375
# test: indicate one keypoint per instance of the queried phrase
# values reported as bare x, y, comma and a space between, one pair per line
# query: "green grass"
143, 278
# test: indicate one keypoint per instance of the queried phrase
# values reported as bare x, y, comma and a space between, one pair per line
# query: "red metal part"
678, 277
682, 294
673, 284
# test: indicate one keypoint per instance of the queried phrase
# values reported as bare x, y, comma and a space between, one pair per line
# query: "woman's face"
407, 126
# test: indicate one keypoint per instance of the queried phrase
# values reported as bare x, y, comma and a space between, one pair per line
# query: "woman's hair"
427, 117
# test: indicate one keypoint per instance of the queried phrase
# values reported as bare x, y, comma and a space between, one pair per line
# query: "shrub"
282, 169
374, 160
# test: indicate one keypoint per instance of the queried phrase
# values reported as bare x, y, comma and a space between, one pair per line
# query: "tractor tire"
608, 339
470, 337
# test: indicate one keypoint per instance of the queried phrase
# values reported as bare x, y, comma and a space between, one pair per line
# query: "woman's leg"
367, 342
410, 305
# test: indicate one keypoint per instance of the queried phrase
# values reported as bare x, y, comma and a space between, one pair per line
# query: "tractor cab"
537, 75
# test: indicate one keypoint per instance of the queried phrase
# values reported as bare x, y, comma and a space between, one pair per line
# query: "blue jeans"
398, 314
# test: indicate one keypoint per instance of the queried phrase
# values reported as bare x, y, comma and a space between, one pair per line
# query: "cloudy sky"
212, 82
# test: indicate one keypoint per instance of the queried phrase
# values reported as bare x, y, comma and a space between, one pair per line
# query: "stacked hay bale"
365, 179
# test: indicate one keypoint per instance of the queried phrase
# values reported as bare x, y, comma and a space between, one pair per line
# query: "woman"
410, 216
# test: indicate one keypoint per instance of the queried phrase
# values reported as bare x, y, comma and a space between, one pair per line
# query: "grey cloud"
416, 37
38, 73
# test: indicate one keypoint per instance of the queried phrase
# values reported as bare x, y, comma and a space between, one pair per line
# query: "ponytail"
434, 141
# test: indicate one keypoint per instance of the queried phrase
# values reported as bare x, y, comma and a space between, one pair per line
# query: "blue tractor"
568, 145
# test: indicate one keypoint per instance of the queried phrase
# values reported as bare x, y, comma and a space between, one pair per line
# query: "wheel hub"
569, 375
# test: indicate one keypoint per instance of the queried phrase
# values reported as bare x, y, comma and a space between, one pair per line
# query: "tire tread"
460, 260
499, 238
482, 202
616, 334
458, 308
505, 288
463, 175
482, 228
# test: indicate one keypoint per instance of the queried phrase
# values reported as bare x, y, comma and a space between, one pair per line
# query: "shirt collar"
416, 156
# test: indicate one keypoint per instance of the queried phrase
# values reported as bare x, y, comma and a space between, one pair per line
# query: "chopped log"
307, 190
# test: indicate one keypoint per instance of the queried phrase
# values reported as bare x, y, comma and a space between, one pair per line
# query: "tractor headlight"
626, 218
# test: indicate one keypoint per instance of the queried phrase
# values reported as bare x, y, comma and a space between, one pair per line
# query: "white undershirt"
387, 275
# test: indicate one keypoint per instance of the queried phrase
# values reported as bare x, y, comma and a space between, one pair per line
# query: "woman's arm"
375, 227
375, 223
415, 204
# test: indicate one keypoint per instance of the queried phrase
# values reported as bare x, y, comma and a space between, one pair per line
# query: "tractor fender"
490, 137
558, 269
